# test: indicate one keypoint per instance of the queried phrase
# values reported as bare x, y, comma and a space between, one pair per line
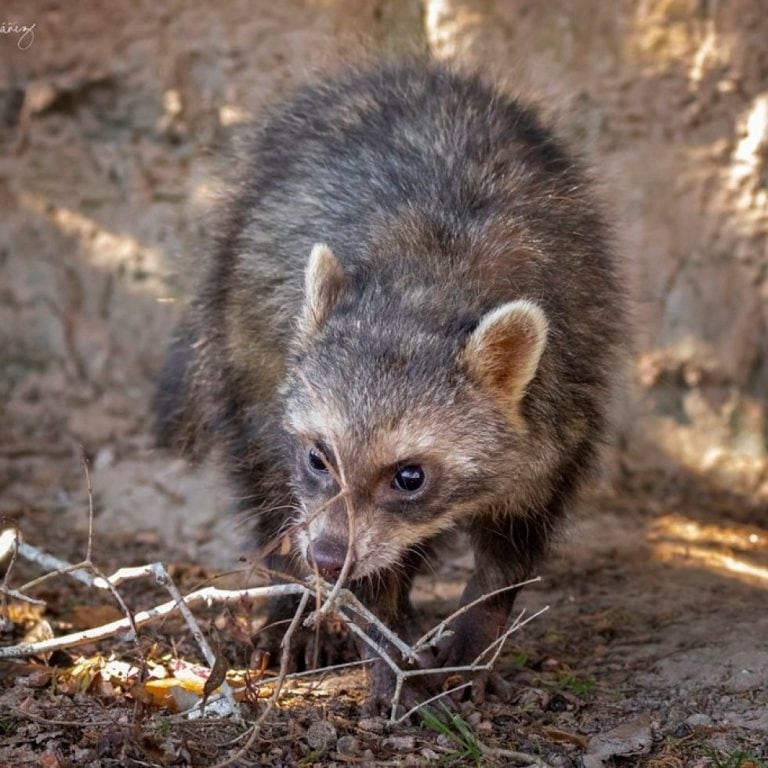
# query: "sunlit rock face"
670, 101
110, 143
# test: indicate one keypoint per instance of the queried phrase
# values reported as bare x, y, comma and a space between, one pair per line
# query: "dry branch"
345, 606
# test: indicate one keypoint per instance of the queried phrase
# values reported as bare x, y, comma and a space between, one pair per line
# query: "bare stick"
8, 543
498, 644
119, 627
10, 540
163, 578
514, 757
350, 600
349, 558
343, 600
313, 672
89, 549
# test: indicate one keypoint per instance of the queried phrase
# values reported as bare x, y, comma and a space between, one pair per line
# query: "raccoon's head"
403, 417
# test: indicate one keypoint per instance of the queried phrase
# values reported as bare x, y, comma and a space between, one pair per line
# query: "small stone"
429, 754
484, 727
534, 698
400, 743
348, 746
49, 760
105, 457
474, 718
39, 679
373, 724
321, 735
698, 720
445, 741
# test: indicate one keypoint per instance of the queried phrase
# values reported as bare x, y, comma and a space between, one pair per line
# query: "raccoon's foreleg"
173, 406
388, 597
505, 551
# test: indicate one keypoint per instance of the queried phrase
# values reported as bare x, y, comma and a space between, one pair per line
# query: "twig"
344, 604
348, 599
498, 643
312, 672
89, 550
163, 578
8, 543
514, 757
436, 632
141, 618
349, 557
440, 695
10, 540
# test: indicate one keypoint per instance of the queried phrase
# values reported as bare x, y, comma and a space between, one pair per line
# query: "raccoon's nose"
328, 555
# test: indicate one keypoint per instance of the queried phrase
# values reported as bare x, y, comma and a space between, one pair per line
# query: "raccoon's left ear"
504, 351
323, 283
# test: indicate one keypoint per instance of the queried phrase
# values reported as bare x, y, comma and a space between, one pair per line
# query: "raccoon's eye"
409, 478
316, 461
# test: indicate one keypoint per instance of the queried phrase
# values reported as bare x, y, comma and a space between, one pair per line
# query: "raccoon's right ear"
504, 351
323, 283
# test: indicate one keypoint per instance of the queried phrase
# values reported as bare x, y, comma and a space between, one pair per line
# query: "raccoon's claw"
461, 650
415, 692
490, 682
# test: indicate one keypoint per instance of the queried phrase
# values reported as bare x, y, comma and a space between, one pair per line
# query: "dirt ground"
652, 652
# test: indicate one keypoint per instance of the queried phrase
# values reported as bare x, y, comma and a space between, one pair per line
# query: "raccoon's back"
414, 173
428, 178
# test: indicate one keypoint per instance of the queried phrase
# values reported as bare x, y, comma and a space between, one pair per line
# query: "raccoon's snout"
328, 555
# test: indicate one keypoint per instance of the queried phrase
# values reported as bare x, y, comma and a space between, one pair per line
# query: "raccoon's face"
398, 433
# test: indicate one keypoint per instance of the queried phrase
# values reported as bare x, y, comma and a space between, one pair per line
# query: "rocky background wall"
117, 125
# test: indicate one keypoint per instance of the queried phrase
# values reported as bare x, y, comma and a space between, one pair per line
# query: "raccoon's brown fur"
414, 288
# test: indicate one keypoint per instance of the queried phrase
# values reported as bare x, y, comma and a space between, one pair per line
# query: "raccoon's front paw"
310, 647
472, 636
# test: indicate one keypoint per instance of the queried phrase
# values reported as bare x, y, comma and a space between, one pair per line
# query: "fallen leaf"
565, 737
217, 676
628, 739
88, 616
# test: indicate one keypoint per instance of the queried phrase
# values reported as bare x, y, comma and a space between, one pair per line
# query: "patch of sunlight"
701, 557
755, 132
231, 115
748, 159
445, 20
664, 31
746, 537
204, 194
683, 541
103, 248
706, 55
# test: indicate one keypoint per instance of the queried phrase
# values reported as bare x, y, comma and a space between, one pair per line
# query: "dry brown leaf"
555, 734
88, 616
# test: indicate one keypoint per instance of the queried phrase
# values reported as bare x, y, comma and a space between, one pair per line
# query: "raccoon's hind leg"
176, 413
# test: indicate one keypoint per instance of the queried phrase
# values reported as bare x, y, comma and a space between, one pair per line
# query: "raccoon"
409, 326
